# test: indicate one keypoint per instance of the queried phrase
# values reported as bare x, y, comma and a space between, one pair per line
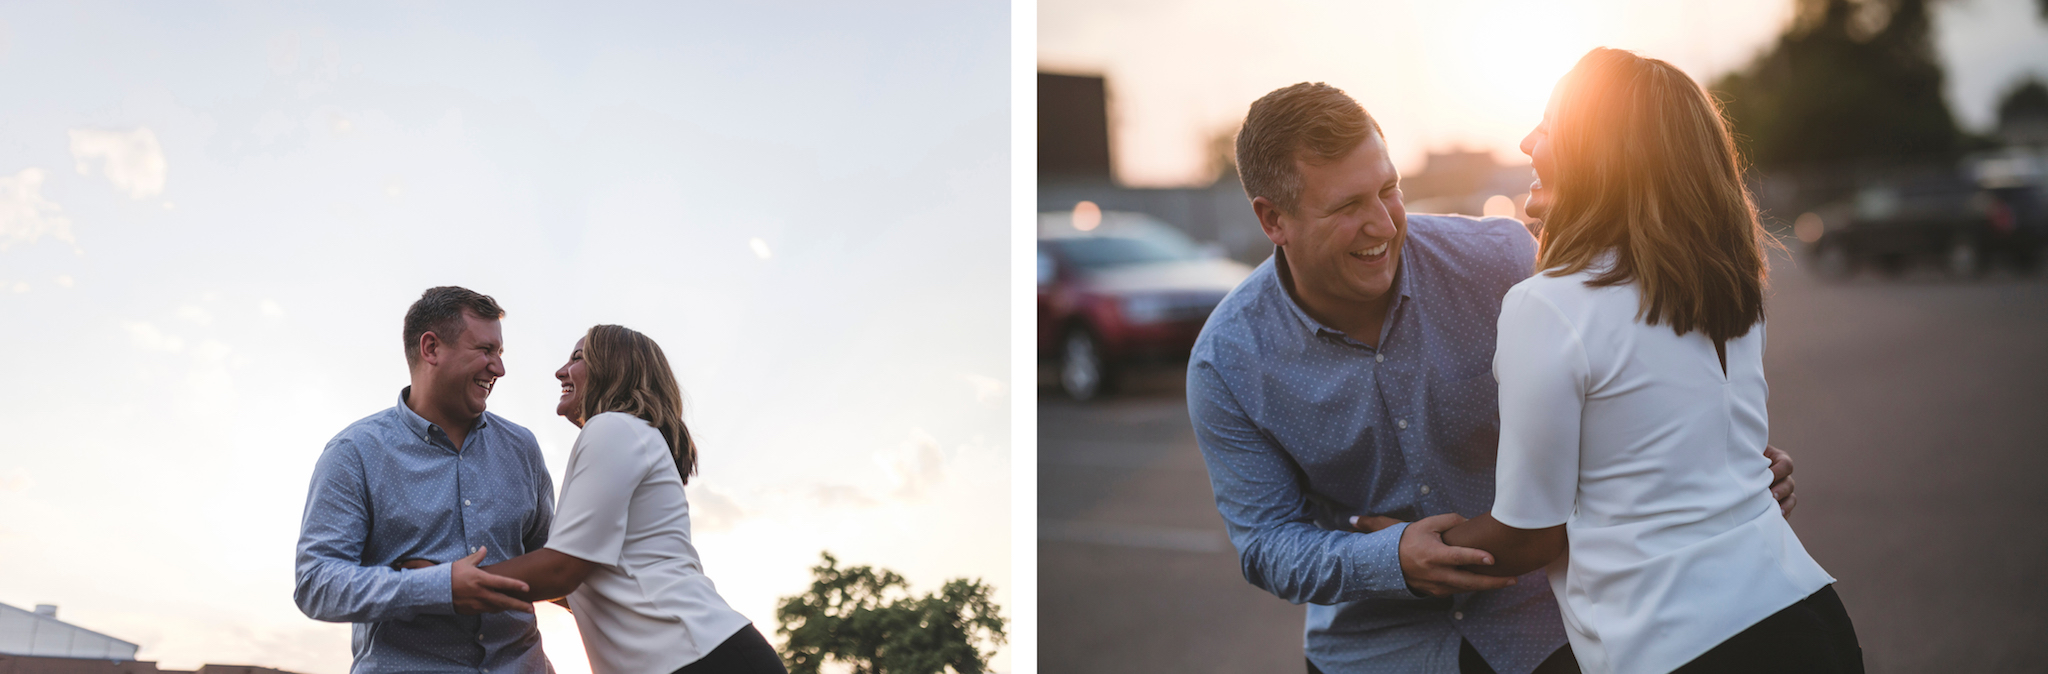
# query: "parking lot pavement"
1135, 573
1916, 409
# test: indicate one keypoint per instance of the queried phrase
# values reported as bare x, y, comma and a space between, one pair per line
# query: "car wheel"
1963, 259
1081, 366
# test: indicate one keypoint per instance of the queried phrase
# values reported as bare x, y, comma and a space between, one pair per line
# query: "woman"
1632, 396
620, 546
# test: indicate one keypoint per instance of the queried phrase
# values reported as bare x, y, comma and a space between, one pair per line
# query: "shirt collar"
423, 428
1279, 286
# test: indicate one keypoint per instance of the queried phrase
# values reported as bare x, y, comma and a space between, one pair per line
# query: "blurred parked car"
1992, 212
1124, 291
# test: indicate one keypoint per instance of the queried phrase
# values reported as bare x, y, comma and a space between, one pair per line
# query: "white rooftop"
40, 633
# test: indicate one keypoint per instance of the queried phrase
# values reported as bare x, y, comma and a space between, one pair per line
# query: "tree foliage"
1849, 81
867, 618
2028, 101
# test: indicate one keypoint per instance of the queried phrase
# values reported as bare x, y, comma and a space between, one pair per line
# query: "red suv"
1127, 290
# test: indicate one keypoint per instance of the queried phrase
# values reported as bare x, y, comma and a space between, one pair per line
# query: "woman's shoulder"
1559, 288
617, 427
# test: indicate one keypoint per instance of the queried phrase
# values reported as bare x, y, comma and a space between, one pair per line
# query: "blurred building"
1464, 182
1073, 127
40, 633
36, 642
1075, 165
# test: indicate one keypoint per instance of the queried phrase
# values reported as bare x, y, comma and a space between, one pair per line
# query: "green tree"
867, 618
1848, 81
2028, 101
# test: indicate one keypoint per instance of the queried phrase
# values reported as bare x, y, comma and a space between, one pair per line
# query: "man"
434, 477
1347, 386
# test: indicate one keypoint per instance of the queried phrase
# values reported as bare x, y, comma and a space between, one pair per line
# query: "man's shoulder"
521, 439
1494, 242
370, 431
518, 432
1233, 326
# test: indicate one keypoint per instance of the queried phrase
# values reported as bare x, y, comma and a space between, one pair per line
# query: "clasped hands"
476, 590
1436, 569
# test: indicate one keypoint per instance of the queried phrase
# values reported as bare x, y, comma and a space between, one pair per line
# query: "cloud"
132, 160
916, 467
283, 52
271, 308
830, 496
16, 480
148, 338
212, 386
760, 248
711, 510
25, 215
986, 389
195, 314
64, 280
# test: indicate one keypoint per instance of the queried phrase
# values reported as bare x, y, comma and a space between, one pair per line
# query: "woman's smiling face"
1537, 146
573, 377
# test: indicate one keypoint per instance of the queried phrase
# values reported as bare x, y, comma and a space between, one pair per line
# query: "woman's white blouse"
647, 606
1631, 437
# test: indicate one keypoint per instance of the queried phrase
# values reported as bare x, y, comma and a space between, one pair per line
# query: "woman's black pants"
745, 652
1813, 636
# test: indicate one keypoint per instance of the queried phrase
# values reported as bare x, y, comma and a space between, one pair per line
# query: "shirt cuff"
1379, 564
431, 591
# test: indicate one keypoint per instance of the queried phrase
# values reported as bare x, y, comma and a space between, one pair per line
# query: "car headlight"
1146, 308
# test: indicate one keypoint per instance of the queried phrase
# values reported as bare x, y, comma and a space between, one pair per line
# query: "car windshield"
1100, 252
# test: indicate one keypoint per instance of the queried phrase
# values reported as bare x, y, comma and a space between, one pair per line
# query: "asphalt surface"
1915, 409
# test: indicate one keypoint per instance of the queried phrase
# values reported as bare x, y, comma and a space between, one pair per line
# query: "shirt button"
1425, 489
1458, 615
1379, 357
465, 501
1403, 423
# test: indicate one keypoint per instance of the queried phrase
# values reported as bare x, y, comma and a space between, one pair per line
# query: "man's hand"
1781, 479
1431, 567
478, 591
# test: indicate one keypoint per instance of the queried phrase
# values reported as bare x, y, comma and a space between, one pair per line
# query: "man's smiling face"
471, 365
1344, 234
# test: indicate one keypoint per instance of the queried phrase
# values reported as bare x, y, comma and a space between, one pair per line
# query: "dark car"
1964, 221
1127, 292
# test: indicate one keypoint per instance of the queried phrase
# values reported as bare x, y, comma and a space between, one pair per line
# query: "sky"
1441, 75
213, 216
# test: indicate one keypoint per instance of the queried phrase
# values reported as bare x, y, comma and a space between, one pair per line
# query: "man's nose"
1381, 224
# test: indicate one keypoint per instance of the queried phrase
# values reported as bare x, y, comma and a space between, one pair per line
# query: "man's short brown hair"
439, 311
1310, 116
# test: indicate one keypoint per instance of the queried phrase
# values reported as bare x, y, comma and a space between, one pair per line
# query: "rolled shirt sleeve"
1270, 518
604, 469
1543, 373
331, 581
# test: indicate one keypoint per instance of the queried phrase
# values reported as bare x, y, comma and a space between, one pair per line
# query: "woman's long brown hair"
625, 371
1646, 168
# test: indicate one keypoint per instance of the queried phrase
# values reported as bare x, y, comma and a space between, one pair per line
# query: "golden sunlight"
1516, 54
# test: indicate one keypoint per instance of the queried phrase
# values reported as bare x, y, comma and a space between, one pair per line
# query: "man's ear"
430, 348
1269, 220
